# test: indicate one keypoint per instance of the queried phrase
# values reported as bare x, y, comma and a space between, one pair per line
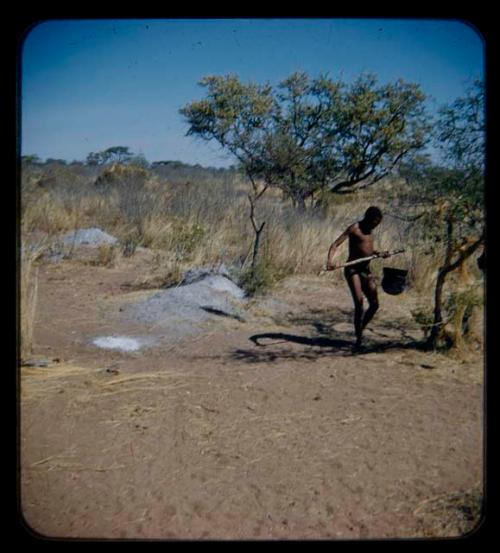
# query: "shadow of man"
333, 344
280, 337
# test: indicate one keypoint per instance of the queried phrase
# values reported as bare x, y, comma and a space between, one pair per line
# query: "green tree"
51, 160
118, 154
114, 154
452, 193
460, 137
311, 134
31, 159
240, 118
95, 158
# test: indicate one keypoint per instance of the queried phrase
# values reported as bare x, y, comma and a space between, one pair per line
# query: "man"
360, 280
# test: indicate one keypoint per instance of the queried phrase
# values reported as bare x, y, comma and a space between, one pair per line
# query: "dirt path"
268, 428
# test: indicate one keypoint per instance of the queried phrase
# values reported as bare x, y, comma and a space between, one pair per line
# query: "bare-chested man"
358, 276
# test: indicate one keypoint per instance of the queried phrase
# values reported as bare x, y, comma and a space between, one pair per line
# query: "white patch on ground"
121, 343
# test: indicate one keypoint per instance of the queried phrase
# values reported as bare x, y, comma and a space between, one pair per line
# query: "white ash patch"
121, 343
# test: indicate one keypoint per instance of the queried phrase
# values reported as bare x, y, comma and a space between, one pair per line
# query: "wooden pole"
356, 261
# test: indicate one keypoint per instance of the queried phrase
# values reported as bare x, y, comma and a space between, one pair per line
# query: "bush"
106, 256
459, 308
423, 317
186, 238
260, 279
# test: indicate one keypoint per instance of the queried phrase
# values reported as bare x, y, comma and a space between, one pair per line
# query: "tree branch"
464, 255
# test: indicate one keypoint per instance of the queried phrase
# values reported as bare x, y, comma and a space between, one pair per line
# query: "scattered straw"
46, 460
93, 397
53, 371
439, 501
448, 515
135, 378
349, 419
63, 466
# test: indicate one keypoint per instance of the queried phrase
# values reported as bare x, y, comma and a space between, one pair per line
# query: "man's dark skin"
360, 280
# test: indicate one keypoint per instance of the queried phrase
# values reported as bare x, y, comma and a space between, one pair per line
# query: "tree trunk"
437, 325
256, 228
256, 245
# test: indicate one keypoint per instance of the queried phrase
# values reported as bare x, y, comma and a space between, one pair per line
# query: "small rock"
92, 237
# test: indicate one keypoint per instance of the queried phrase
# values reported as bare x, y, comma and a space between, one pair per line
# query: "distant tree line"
124, 156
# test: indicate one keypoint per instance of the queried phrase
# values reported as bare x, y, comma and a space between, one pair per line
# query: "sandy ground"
263, 429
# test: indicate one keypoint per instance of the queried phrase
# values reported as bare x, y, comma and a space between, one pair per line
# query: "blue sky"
87, 85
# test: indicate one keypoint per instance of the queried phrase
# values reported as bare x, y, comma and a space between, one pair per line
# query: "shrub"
259, 279
423, 317
459, 307
106, 256
186, 238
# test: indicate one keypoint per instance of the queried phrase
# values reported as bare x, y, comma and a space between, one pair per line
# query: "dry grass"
105, 256
198, 223
28, 284
450, 515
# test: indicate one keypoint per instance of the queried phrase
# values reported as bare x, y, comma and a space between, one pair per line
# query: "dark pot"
394, 281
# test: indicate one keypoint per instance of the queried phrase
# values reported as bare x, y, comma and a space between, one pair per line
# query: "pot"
394, 281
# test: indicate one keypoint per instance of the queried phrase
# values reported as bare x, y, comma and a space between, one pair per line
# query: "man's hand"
330, 266
383, 254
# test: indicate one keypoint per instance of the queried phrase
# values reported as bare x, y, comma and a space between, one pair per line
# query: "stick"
360, 260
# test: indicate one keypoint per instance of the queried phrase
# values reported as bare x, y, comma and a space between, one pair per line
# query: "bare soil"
262, 429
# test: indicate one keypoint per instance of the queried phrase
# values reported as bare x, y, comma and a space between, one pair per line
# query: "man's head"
372, 217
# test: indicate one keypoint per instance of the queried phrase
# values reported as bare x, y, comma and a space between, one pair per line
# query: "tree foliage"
114, 154
461, 131
309, 134
31, 159
452, 194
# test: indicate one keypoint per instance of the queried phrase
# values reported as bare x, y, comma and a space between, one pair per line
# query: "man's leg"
354, 282
369, 287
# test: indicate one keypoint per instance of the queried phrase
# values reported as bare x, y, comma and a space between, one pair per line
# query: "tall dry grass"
198, 222
206, 222
28, 288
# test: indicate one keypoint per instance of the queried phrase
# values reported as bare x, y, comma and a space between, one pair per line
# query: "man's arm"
330, 265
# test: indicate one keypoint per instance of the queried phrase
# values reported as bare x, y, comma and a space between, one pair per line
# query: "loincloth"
361, 269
